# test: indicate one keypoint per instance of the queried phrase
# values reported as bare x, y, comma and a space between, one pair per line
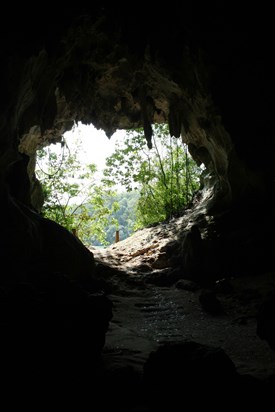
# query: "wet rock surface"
156, 307
148, 318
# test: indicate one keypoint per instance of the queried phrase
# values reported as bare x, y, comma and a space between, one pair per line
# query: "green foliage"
166, 175
122, 219
71, 192
159, 183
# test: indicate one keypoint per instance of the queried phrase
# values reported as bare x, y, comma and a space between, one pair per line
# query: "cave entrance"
103, 189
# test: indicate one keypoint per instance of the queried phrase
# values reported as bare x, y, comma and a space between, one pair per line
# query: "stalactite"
146, 108
174, 120
148, 132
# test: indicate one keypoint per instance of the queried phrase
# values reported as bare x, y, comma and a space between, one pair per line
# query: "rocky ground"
148, 311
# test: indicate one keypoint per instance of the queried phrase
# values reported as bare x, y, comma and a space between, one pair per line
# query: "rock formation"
207, 71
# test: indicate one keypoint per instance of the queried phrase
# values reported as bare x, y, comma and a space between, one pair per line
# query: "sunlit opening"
103, 190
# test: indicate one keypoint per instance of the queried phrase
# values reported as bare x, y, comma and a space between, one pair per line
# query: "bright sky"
96, 145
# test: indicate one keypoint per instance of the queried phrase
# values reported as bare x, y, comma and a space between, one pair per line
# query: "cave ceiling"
205, 70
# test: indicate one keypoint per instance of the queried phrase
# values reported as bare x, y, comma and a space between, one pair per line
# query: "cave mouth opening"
113, 186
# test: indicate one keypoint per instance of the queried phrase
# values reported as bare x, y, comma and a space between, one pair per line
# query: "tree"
71, 192
166, 175
123, 219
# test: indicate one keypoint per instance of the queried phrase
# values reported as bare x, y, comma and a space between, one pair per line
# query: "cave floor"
146, 315
144, 319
